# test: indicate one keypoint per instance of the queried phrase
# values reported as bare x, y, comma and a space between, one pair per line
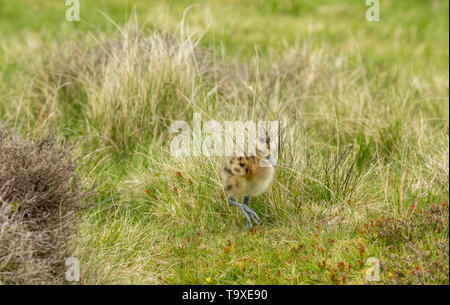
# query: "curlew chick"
249, 176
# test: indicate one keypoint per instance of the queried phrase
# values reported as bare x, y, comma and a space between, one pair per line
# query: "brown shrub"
39, 194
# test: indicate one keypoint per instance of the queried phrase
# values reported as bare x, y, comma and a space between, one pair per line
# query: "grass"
363, 164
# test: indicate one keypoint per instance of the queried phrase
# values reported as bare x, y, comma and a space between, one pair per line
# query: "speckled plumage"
248, 176
243, 176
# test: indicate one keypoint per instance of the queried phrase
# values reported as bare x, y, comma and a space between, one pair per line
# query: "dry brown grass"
39, 194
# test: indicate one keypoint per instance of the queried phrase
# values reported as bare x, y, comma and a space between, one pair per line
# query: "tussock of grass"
138, 78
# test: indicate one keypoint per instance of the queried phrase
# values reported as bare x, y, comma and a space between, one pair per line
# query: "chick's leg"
253, 215
242, 207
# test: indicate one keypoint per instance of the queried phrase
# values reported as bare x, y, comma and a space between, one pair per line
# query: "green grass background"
310, 235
